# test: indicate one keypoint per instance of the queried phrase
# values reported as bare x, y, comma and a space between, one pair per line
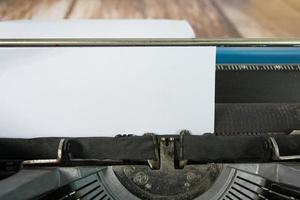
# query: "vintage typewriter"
254, 152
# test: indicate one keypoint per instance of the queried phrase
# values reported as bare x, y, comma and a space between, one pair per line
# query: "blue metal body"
258, 55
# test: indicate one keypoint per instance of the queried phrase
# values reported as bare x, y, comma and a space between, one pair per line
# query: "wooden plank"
120, 9
34, 9
17, 9
82, 9
294, 4
209, 18
204, 17
257, 18
209, 21
51, 10
109, 9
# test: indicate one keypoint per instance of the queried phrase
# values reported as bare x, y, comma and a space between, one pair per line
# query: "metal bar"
276, 152
60, 42
48, 161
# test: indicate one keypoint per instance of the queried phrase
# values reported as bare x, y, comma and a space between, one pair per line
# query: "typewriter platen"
254, 152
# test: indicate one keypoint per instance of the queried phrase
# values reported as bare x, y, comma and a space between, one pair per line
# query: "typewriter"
253, 153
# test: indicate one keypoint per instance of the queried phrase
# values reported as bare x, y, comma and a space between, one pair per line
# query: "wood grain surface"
209, 18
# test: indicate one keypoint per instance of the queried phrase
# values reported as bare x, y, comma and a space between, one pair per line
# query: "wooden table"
209, 18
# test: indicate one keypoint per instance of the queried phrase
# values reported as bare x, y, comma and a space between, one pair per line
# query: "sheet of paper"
96, 29
105, 91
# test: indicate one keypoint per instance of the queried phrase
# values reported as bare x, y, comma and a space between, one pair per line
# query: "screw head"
191, 176
140, 178
148, 186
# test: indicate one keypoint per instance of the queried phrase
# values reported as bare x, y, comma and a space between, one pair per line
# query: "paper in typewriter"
105, 91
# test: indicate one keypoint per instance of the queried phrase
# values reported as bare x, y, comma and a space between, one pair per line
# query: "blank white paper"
96, 28
105, 91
